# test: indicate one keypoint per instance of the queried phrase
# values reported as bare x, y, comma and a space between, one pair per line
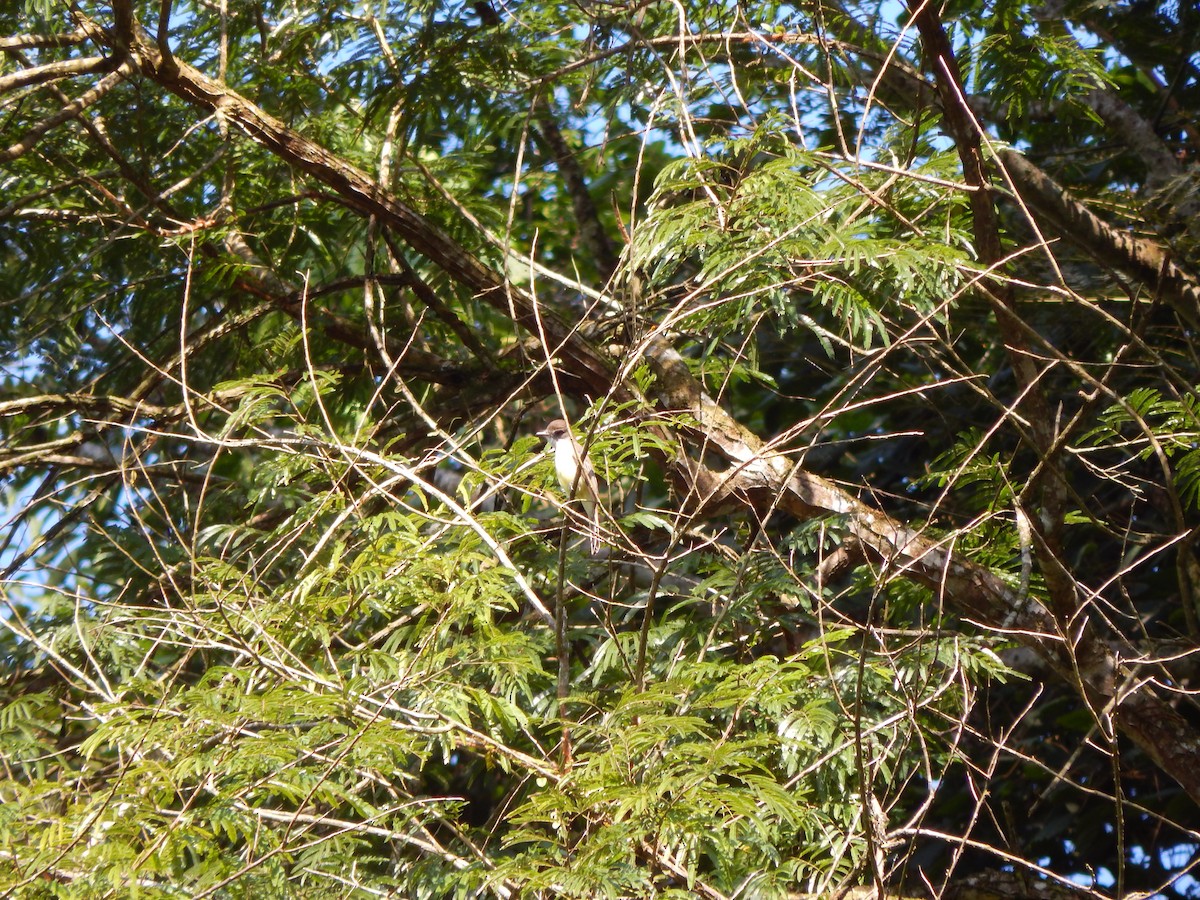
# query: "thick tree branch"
1144, 259
1065, 638
359, 191
758, 477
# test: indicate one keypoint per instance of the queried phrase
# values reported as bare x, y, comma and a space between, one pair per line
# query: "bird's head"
555, 430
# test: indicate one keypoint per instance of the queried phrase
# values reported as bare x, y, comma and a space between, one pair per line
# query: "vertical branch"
587, 218
562, 648
967, 134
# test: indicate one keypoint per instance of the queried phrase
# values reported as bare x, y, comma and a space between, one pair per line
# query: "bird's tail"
591, 511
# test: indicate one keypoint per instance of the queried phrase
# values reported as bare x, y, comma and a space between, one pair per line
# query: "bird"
578, 481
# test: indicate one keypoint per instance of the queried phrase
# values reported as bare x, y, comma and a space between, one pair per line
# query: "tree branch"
1050, 485
587, 217
30, 139
37, 41
1146, 260
359, 191
53, 71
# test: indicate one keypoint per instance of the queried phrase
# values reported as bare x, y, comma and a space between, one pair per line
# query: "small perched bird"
575, 474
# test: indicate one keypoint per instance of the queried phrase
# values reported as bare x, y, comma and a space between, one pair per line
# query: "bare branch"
37, 41
30, 139
53, 71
